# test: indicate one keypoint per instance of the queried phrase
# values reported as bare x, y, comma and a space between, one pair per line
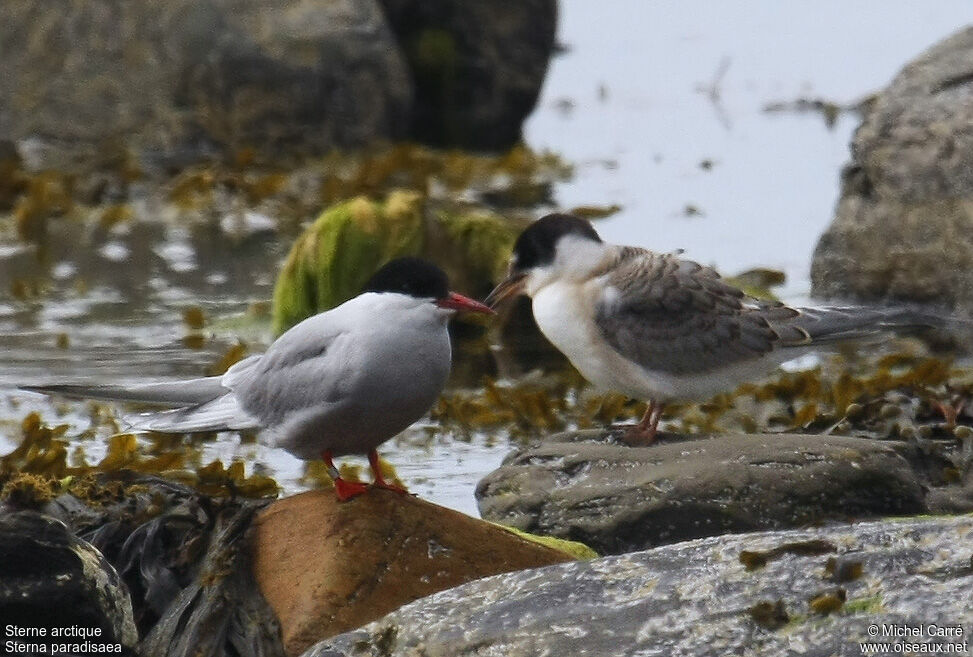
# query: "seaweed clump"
40, 463
182, 550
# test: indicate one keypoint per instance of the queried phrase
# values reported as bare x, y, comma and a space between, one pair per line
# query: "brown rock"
327, 567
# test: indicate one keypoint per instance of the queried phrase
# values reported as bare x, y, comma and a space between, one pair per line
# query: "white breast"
564, 312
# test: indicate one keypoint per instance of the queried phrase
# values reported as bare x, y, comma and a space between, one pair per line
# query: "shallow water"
637, 104
774, 179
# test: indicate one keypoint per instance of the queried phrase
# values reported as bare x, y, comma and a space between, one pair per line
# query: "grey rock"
698, 599
49, 578
903, 227
94, 80
617, 498
478, 66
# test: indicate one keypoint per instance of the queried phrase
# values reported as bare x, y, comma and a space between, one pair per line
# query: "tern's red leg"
950, 410
345, 490
644, 433
377, 473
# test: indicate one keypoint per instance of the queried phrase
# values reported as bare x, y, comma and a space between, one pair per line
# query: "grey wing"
309, 367
678, 317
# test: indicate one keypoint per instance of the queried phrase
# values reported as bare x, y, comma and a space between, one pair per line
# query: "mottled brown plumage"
680, 317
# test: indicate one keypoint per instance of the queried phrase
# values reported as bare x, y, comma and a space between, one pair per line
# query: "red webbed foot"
345, 490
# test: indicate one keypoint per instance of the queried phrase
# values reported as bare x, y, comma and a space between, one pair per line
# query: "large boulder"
96, 82
97, 79
327, 567
617, 498
903, 228
52, 581
477, 65
819, 592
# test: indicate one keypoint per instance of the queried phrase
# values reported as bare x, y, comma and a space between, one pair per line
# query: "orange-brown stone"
327, 566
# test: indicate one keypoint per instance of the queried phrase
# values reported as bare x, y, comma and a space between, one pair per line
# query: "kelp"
43, 455
184, 557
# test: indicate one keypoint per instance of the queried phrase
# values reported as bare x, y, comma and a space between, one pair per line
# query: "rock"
334, 257
903, 228
51, 579
616, 498
697, 598
327, 567
178, 80
477, 66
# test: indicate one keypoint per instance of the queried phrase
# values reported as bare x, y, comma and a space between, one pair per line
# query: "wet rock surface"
617, 498
477, 66
902, 228
53, 580
327, 567
817, 596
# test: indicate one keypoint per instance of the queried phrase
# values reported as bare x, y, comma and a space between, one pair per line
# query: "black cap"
412, 276
536, 245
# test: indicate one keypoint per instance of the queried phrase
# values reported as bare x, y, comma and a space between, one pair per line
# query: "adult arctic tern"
657, 327
341, 382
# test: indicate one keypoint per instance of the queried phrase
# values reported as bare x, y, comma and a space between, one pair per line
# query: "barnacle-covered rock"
179, 81
903, 227
697, 598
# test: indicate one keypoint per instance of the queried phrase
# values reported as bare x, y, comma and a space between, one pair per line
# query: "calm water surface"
629, 104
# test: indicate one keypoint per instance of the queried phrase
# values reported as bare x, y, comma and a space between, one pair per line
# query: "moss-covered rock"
331, 261
481, 243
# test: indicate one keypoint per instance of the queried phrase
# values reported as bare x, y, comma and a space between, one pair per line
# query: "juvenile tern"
657, 327
341, 382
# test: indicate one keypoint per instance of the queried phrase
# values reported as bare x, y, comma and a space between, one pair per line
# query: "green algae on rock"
574, 549
331, 261
479, 243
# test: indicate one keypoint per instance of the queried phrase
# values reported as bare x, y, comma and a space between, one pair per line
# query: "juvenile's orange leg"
644, 433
